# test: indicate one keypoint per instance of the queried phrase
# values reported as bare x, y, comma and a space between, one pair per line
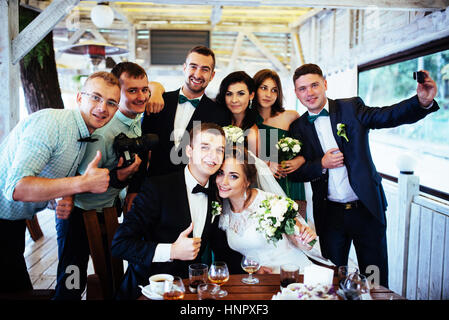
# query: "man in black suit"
154, 235
182, 108
348, 199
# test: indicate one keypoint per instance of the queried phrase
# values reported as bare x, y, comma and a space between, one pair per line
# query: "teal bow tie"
314, 117
194, 102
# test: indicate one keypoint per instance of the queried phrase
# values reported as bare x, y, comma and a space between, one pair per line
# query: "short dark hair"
206, 126
259, 78
130, 68
237, 77
205, 51
306, 69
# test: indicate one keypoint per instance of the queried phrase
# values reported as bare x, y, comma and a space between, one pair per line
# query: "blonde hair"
106, 76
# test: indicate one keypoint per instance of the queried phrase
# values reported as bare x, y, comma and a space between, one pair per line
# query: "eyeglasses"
98, 100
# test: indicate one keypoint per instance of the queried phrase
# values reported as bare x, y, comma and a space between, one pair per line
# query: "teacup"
157, 282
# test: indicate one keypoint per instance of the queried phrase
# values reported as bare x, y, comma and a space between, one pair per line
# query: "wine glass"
174, 290
219, 274
250, 265
355, 285
343, 272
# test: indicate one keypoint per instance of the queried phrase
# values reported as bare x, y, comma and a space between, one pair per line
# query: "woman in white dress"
239, 200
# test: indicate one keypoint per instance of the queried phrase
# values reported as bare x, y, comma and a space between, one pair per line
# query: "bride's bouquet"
276, 216
234, 134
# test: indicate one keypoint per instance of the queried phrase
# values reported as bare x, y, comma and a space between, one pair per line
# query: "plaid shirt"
45, 144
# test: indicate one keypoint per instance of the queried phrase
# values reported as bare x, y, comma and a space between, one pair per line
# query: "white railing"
418, 241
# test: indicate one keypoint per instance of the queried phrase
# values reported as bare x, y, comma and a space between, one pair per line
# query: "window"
426, 141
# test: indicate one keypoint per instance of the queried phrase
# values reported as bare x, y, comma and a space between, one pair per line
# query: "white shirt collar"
191, 182
326, 106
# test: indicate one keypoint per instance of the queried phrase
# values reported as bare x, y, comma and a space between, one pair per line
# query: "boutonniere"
216, 210
341, 131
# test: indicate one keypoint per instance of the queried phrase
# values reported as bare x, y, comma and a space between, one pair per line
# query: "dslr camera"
126, 147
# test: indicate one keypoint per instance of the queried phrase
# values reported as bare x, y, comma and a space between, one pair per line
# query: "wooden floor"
41, 256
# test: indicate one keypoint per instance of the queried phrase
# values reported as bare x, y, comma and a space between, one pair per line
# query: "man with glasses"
73, 245
38, 163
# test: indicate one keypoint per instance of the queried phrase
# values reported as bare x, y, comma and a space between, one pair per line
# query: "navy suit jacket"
362, 173
160, 212
162, 124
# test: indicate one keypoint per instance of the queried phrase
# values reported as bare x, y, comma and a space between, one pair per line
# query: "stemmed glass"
355, 286
219, 274
343, 272
250, 265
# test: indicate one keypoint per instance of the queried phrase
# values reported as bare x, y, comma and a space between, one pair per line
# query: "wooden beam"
235, 52
9, 73
40, 27
305, 17
352, 4
277, 64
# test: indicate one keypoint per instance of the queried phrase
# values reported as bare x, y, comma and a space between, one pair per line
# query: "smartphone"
419, 76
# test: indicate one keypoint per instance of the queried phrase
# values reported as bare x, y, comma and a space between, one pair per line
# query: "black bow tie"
87, 139
199, 188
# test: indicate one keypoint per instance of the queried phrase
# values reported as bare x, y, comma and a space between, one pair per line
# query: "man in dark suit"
348, 199
182, 108
154, 235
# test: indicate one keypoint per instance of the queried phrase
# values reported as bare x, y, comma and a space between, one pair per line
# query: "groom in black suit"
348, 199
155, 234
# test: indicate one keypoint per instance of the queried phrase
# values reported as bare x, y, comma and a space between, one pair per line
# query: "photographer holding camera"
73, 246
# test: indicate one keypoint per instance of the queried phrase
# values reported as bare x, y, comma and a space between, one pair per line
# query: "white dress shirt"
339, 188
198, 203
184, 113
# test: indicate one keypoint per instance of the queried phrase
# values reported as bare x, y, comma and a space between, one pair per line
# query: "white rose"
285, 149
296, 148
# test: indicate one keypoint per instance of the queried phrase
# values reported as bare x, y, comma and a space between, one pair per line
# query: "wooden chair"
34, 228
100, 229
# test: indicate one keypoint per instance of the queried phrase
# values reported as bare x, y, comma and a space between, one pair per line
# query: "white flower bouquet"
234, 134
276, 216
288, 148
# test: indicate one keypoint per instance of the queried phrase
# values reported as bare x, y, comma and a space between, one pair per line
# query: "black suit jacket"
162, 124
362, 173
160, 212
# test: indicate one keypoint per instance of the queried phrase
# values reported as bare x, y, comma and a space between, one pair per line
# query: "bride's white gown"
243, 237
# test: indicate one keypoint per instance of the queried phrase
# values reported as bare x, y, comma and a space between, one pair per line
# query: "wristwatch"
323, 170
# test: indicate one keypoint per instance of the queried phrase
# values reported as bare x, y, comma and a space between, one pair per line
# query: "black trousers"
344, 226
13, 269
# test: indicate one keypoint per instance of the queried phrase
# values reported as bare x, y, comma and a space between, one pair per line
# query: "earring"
250, 104
245, 196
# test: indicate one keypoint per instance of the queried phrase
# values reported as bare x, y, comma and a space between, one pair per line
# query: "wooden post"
408, 188
9, 73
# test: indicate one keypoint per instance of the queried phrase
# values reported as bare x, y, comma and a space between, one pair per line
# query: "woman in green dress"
274, 122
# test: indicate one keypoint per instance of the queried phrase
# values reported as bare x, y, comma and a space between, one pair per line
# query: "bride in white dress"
239, 200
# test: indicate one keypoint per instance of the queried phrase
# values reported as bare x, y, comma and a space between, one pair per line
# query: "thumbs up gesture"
185, 248
96, 179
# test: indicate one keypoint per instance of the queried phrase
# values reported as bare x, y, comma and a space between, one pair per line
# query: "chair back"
100, 230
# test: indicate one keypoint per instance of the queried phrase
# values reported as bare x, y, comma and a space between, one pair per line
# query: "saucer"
146, 291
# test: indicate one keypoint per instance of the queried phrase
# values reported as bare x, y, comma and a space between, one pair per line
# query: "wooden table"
268, 286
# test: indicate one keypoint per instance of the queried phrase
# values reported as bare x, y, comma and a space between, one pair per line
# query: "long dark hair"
259, 78
236, 77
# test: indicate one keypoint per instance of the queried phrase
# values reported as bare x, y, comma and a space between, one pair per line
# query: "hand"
264, 270
275, 168
426, 91
96, 180
124, 173
291, 165
156, 102
128, 202
64, 207
333, 158
185, 248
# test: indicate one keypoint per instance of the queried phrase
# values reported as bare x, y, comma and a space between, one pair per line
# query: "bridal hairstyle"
249, 168
238, 77
259, 78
